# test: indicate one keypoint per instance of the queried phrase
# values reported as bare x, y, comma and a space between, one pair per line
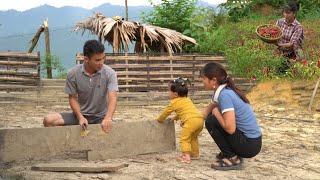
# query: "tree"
172, 14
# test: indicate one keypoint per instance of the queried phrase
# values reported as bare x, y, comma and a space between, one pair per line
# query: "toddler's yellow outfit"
192, 121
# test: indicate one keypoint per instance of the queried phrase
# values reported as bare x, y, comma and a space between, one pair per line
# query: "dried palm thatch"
120, 33
117, 32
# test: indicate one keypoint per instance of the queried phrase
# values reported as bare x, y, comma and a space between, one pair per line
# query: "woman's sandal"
236, 164
219, 156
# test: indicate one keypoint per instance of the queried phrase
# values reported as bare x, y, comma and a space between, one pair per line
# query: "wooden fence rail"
152, 73
19, 71
144, 73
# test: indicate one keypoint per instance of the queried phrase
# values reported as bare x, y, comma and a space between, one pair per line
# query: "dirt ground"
291, 145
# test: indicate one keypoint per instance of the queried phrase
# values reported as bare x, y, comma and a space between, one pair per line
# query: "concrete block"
126, 138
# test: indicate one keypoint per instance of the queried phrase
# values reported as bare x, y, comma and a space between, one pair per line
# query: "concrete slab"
125, 139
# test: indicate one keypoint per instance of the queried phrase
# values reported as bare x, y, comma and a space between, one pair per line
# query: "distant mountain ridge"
17, 28
14, 22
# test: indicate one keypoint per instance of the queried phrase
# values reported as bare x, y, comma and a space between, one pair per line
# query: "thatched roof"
120, 33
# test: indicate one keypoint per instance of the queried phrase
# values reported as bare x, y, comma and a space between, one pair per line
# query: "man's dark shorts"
71, 119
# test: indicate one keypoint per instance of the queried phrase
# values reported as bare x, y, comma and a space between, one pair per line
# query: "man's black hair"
92, 47
291, 6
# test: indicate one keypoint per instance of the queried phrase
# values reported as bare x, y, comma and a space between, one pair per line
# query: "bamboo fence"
19, 71
152, 72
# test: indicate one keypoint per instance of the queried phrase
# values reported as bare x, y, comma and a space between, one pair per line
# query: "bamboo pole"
48, 54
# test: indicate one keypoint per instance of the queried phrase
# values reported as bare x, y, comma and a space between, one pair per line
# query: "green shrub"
307, 70
172, 14
253, 60
58, 71
237, 9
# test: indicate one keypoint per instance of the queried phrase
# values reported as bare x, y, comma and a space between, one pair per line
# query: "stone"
281, 109
103, 176
78, 174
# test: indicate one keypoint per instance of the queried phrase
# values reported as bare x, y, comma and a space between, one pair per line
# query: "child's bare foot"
184, 158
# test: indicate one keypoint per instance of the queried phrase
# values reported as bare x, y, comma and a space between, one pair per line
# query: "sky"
22, 5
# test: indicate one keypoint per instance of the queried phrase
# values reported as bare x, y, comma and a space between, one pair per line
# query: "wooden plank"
17, 79
20, 63
132, 66
163, 85
19, 55
173, 58
210, 58
17, 87
143, 79
79, 167
160, 58
155, 73
19, 73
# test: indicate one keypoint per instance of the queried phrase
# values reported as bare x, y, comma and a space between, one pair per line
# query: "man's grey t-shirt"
92, 91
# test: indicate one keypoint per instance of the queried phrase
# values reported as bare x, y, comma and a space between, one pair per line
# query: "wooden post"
148, 74
126, 3
313, 94
127, 73
148, 80
39, 80
48, 54
171, 68
193, 74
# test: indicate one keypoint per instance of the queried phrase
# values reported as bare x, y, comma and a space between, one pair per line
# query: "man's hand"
83, 123
106, 125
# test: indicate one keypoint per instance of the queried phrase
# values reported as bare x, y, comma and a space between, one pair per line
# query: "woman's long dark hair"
215, 70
